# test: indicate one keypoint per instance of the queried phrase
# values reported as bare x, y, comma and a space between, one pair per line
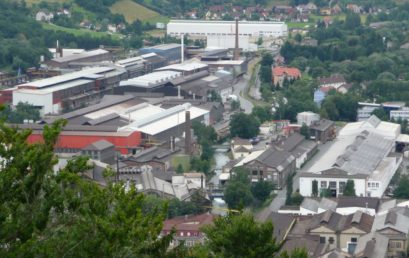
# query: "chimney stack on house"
188, 134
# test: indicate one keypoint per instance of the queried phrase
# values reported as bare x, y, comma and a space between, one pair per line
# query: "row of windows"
373, 185
188, 233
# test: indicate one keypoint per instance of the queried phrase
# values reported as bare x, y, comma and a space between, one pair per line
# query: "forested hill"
23, 40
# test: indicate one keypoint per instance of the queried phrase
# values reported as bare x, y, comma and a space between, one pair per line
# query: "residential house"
354, 8
340, 231
372, 245
240, 148
326, 11
307, 118
156, 157
332, 81
188, 229
336, 9
321, 93
311, 243
101, 150
271, 164
282, 225
307, 8
323, 130
44, 16
394, 224
281, 73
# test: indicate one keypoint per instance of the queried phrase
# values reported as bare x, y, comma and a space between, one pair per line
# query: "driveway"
275, 205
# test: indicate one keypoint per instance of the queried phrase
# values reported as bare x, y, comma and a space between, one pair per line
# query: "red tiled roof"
290, 71
192, 223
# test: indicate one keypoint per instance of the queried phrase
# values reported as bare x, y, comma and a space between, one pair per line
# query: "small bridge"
221, 147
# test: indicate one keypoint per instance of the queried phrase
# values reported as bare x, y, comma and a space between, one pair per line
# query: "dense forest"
23, 40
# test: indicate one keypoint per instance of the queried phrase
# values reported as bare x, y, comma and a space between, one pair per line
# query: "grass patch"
184, 160
133, 11
299, 25
78, 32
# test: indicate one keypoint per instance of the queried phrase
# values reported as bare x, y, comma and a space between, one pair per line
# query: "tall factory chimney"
236, 43
188, 134
58, 50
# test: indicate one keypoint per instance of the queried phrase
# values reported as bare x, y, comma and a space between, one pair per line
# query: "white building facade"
223, 28
307, 118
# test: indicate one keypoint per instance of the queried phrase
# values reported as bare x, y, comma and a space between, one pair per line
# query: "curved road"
239, 90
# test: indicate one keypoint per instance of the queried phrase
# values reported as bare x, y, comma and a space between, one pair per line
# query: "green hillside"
133, 11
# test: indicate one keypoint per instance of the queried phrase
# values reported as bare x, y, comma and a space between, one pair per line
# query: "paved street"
275, 205
239, 89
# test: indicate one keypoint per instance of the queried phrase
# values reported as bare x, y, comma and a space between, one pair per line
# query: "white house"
307, 118
44, 16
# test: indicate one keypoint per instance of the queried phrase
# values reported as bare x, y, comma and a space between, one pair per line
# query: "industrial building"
222, 28
362, 152
189, 80
171, 52
69, 61
143, 64
228, 42
125, 121
69, 91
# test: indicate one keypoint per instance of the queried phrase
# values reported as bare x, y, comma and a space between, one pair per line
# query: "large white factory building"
224, 28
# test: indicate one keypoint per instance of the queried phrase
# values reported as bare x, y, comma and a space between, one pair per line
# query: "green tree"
43, 213
267, 60
262, 113
314, 188
179, 169
266, 74
349, 188
352, 21
305, 131
402, 191
261, 190
240, 236
23, 111
381, 114
325, 192
238, 191
244, 126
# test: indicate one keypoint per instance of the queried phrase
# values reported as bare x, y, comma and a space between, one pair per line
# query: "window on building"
354, 239
341, 187
188, 233
181, 233
395, 244
333, 184
331, 240
255, 172
323, 184
322, 240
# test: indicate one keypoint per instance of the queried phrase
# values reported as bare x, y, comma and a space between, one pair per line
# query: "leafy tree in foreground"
305, 131
240, 236
43, 214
